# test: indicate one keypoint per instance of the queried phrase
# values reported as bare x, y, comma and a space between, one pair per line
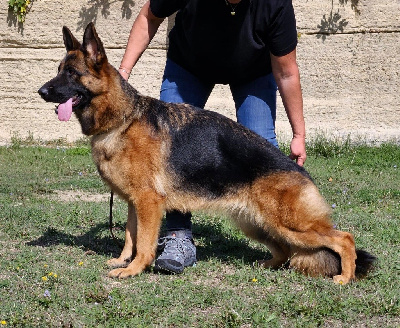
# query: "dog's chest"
105, 150
130, 162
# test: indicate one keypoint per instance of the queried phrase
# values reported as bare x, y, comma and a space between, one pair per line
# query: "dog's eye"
71, 71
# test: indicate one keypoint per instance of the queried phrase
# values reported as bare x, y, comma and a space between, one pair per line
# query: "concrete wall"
348, 54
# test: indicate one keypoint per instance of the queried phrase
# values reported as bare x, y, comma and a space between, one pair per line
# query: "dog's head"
80, 78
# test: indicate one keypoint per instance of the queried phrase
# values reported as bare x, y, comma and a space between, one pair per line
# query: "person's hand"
298, 150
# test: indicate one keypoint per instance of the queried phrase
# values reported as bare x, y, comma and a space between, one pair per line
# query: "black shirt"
219, 47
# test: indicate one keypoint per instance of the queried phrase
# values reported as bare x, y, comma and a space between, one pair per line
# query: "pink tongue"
65, 110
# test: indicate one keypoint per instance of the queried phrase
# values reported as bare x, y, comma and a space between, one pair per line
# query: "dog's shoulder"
163, 117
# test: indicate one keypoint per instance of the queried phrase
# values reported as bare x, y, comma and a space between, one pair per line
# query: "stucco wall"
348, 54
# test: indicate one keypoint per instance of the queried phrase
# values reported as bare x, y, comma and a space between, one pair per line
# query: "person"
248, 44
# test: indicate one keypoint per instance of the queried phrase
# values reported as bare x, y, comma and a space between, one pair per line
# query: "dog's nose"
43, 91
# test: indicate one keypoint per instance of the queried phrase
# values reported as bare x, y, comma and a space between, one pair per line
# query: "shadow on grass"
215, 244
225, 247
90, 240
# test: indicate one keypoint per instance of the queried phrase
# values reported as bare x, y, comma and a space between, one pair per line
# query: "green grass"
45, 233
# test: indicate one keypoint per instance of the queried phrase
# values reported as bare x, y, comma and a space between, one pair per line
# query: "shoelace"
171, 244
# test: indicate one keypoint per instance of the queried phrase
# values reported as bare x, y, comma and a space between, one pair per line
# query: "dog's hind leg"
292, 209
280, 255
149, 210
130, 241
340, 242
279, 250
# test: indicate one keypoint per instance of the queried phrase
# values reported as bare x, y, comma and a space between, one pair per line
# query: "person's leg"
180, 86
178, 250
255, 103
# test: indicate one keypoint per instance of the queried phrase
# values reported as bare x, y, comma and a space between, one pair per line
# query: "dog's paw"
122, 273
341, 280
118, 262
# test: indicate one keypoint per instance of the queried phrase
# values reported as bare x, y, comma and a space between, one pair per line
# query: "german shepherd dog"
161, 156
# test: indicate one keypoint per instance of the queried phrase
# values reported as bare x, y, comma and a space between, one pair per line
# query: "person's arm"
143, 30
287, 76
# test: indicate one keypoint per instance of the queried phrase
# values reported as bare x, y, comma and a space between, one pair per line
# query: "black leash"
111, 223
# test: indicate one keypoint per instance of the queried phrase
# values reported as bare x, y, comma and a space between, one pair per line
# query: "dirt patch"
77, 195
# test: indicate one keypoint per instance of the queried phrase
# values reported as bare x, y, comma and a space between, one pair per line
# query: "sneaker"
177, 252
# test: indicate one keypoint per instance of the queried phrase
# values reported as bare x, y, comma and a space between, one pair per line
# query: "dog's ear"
92, 44
70, 42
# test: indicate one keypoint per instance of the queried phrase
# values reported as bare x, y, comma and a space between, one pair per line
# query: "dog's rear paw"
118, 262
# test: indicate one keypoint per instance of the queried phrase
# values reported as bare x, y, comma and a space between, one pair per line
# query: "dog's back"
212, 153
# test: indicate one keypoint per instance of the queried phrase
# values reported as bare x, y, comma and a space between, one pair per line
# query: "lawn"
54, 243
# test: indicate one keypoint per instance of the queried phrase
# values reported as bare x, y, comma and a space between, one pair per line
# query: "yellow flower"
80, 263
44, 278
254, 280
45, 265
55, 275
50, 274
3, 322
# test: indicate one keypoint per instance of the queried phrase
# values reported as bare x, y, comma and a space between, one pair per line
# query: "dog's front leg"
130, 241
149, 210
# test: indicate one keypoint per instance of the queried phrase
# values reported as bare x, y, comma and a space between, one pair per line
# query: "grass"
53, 250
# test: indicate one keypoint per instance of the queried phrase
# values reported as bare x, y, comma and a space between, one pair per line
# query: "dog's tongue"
65, 110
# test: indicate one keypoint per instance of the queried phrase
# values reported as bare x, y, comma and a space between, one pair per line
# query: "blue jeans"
255, 103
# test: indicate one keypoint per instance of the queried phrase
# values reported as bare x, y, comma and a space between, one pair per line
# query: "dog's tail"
365, 263
325, 262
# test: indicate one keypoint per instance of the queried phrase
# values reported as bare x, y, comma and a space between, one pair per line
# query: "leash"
111, 223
